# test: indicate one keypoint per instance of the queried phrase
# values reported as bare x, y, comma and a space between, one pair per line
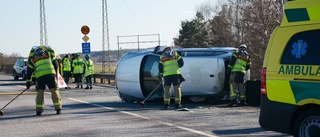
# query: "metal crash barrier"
102, 77
6, 70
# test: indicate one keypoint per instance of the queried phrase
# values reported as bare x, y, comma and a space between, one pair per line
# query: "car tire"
307, 124
23, 75
15, 76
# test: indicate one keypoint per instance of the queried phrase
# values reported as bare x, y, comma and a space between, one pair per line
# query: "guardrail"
102, 77
6, 70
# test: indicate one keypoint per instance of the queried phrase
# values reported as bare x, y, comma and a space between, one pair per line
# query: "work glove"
28, 85
181, 78
160, 76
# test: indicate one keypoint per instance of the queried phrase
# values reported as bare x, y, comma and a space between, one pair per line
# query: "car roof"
24, 59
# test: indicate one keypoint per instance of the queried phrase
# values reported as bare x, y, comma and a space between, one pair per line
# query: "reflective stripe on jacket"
89, 68
77, 65
66, 64
44, 67
240, 63
170, 65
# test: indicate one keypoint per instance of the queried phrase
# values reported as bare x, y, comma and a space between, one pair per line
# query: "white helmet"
243, 46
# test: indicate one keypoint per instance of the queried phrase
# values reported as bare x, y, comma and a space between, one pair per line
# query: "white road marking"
147, 118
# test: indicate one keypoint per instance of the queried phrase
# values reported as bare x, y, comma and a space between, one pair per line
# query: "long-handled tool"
1, 112
142, 103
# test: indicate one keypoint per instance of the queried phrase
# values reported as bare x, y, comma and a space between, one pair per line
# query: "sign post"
86, 45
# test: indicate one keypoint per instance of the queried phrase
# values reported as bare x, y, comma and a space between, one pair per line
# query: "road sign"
86, 51
85, 30
85, 38
86, 48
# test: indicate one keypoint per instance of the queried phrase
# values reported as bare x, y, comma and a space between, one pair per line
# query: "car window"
21, 63
149, 76
303, 48
151, 67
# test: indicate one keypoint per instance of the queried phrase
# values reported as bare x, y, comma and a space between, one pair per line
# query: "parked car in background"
20, 69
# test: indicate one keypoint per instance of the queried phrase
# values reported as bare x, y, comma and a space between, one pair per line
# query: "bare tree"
250, 22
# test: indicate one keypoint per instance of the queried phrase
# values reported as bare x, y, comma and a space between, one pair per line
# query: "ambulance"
290, 82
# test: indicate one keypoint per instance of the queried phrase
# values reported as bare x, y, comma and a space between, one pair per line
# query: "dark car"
20, 69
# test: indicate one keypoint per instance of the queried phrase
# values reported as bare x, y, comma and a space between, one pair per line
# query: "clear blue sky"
20, 22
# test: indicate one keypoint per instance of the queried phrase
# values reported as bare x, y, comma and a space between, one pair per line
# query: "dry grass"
109, 67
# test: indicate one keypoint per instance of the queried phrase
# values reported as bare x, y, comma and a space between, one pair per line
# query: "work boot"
243, 103
90, 87
58, 112
178, 106
39, 113
77, 87
166, 106
86, 88
232, 102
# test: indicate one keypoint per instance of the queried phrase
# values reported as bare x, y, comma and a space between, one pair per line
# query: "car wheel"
15, 76
23, 76
307, 124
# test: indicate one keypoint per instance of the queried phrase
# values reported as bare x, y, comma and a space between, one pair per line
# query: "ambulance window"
303, 48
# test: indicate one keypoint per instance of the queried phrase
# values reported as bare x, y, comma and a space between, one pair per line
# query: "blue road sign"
86, 51
86, 48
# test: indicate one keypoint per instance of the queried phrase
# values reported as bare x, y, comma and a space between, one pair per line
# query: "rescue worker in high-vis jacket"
31, 53
169, 67
240, 62
78, 65
66, 65
46, 71
88, 71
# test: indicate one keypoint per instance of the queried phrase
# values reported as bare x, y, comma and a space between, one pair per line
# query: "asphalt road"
100, 112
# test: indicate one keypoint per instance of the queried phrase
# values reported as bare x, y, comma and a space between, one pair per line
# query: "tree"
193, 34
233, 23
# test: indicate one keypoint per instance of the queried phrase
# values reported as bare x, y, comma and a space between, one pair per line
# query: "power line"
135, 16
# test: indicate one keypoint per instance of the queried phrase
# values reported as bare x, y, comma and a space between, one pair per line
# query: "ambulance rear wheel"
307, 124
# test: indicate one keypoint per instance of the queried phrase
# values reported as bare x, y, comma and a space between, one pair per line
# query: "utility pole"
43, 25
105, 36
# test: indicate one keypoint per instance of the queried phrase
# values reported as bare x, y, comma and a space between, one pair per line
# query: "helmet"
243, 46
169, 53
87, 56
167, 48
39, 52
76, 54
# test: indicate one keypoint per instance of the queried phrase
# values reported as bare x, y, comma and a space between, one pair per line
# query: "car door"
204, 73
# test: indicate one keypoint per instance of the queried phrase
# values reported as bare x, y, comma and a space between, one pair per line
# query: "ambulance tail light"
263, 81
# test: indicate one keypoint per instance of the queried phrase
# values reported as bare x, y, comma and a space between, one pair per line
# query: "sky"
20, 23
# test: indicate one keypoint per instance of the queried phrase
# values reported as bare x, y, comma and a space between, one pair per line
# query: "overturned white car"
137, 73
